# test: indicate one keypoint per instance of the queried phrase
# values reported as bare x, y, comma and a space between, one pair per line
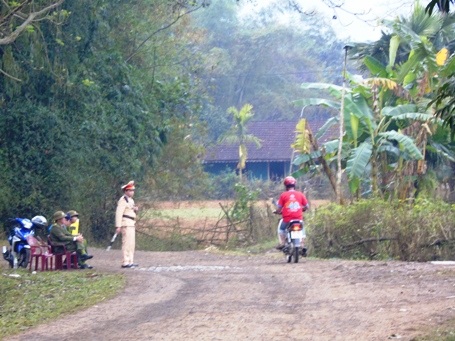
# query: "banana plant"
417, 62
309, 155
387, 125
365, 138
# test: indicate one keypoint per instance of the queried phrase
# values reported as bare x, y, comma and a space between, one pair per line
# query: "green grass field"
28, 299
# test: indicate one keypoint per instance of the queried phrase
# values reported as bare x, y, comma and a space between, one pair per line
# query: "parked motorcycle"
18, 253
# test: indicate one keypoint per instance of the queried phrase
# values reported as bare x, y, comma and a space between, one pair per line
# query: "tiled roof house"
272, 160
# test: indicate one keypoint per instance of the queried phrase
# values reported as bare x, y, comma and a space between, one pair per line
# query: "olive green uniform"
60, 236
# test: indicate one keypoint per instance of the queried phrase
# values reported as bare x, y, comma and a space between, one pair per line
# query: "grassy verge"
27, 299
188, 213
445, 332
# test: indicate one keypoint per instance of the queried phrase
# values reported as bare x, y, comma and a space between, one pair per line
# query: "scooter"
293, 247
18, 253
294, 238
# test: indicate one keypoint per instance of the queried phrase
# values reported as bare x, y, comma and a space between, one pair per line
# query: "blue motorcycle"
18, 254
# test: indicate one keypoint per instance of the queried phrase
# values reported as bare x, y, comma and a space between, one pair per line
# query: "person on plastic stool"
60, 236
74, 222
125, 223
291, 206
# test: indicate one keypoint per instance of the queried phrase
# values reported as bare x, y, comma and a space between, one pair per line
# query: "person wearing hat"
60, 236
125, 222
74, 220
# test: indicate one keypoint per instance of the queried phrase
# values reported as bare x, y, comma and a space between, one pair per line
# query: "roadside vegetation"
376, 229
96, 93
28, 299
444, 333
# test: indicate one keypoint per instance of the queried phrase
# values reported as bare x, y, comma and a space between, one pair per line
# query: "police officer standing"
125, 221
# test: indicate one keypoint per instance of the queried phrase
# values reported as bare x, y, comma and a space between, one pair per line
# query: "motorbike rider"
291, 205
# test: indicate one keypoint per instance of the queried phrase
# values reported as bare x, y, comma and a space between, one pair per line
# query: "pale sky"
356, 20
360, 19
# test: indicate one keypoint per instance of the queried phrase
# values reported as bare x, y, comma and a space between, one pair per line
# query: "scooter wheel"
24, 258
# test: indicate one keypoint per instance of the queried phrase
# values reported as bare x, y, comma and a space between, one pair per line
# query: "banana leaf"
407, 144
375, 66
306, 102
358, 160
327, 125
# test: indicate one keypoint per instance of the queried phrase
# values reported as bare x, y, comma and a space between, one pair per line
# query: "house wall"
218, 168
257, 170
279, 170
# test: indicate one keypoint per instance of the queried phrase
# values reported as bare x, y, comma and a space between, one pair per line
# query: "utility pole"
339, 196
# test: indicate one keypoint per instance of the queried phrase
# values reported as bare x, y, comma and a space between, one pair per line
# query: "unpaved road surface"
201, 295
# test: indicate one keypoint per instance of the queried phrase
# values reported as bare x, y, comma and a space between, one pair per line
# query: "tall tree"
261, 61
86, 117
238, 134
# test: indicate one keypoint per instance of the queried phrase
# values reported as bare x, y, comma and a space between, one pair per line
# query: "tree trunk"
322, 160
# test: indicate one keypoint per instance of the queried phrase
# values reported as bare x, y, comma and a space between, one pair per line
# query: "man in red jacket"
291, 206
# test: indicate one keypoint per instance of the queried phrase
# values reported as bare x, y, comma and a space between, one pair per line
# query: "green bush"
375, 228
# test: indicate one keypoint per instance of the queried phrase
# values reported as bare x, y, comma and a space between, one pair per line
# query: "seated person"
59, 235
74, 220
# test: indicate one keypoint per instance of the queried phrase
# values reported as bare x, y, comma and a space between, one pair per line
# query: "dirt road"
201, 295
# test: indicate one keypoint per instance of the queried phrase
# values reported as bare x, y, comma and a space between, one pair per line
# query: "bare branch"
31, 17
12, 11
9, 76
136, 50
367, 240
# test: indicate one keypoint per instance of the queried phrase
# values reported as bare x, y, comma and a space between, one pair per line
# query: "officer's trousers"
128, 244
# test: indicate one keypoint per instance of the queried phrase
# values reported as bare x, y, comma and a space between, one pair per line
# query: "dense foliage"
96, 93
375, 229
82, 113
393, 144
254, 58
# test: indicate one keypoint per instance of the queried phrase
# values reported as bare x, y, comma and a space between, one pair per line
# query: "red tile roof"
276, 138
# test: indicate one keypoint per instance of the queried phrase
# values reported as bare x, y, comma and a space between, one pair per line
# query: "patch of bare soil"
207, 295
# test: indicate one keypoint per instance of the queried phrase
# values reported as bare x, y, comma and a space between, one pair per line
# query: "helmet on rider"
39, 221
289, 181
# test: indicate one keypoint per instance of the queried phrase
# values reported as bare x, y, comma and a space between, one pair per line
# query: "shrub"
375, 228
